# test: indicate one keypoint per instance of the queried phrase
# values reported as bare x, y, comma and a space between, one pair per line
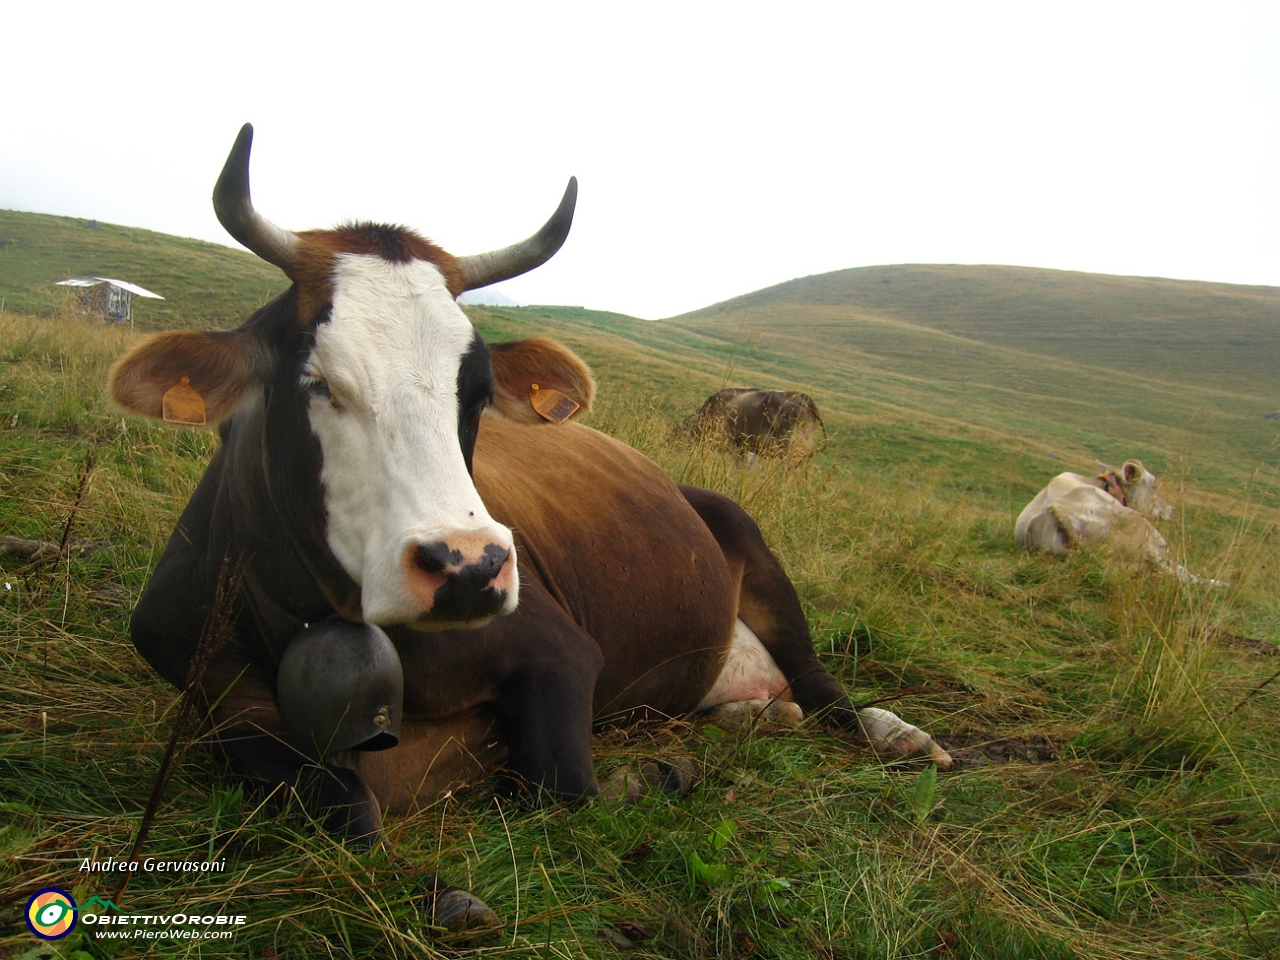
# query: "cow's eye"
314, 384
317, 387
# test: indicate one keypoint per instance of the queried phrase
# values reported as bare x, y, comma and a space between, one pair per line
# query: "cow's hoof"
919, 748
465, 918
892, 738
625, 784
678, 777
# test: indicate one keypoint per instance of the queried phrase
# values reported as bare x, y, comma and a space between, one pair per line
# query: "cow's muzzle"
464, 579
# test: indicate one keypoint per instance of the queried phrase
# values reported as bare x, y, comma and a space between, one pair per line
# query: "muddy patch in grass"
970, 750
1262, 648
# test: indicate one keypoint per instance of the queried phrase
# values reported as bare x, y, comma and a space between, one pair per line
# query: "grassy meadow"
1117, 789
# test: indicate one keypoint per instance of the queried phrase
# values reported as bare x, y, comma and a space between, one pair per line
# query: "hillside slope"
1206, 334
203, 284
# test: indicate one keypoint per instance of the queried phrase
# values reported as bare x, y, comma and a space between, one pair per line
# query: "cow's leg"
1051, 532
750, 687
545, 703
1128, 533
1186, 576
533, 670
335, 795
769, 606
894, 738
1157, 552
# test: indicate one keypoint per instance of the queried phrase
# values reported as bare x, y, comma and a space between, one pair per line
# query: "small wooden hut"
112, 300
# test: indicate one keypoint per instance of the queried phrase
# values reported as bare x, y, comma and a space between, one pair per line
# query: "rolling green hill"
1203, 334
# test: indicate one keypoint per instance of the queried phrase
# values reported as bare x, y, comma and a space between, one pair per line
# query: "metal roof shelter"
112, 299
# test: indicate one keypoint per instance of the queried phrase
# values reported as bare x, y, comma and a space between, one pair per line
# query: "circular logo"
51, 913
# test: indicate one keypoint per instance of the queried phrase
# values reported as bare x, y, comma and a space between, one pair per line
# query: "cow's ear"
552, 368
1134, 471
216, 368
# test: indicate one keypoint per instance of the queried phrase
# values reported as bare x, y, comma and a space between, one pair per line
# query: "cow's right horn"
482, 269
232, 204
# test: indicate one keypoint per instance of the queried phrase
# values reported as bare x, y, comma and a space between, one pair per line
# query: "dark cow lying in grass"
756, 422
380, 464
1116, 509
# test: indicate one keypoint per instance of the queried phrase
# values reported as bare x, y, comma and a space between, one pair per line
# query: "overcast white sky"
720, 147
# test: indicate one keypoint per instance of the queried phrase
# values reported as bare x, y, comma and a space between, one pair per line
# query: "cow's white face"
1141, 494
397, 378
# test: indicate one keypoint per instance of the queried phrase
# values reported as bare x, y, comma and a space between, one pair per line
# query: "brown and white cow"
756, 422
381, 464
1116, 508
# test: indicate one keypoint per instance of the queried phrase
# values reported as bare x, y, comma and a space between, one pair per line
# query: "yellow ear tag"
552, 404
181, 404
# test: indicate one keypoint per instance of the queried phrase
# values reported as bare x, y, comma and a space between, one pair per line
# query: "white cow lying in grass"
1115, 508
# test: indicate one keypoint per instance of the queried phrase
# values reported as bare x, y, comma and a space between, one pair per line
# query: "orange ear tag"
552, 404
181, 404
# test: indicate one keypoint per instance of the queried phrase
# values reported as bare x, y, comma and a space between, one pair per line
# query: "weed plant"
1115, 794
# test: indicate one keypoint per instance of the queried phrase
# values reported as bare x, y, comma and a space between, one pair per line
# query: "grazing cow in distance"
757, 422
1116, 508
355, 542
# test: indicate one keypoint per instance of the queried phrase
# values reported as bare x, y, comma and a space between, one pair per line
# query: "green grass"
1135, 817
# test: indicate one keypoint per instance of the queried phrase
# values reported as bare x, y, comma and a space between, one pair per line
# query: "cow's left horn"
482, 269
232, 204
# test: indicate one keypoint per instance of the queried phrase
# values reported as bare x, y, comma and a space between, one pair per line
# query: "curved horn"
482, 269
232, 204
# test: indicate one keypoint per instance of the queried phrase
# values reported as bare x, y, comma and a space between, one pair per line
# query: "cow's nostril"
495, 558
436, 557
473, 568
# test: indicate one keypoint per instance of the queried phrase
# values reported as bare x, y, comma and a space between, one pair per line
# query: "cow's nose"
440, 557
465, 577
